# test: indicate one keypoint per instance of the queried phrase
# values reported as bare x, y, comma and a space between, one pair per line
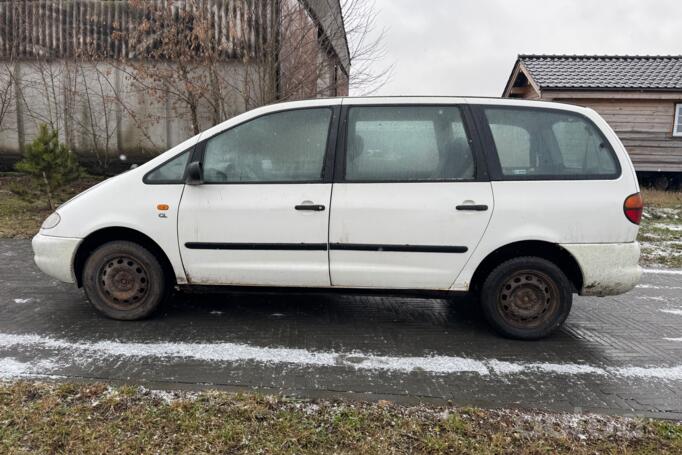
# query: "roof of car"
411, 100
605, 72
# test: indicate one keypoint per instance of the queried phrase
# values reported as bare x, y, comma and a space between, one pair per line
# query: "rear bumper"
54, 256
607, 268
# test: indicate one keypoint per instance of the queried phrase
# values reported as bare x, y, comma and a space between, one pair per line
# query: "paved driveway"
620, 355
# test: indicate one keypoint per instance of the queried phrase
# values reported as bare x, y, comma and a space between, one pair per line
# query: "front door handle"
472, 207
310, 207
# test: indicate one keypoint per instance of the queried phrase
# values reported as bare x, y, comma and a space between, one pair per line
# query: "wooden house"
639, 96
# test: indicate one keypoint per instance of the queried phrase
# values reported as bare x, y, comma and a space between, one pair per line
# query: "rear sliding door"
410, 201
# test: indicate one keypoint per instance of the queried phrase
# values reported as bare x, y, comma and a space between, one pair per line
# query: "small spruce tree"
50, 164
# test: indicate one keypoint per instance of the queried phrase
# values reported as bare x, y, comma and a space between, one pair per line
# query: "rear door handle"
472, 208
310, 207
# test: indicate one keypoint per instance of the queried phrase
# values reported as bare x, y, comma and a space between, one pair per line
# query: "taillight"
633, 208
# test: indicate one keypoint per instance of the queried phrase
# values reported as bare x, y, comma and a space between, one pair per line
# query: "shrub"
50, 164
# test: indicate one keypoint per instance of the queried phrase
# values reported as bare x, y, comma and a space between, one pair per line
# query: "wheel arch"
109, 234
545, 250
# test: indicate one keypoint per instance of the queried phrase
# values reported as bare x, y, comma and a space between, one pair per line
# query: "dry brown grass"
662, 199
94, 418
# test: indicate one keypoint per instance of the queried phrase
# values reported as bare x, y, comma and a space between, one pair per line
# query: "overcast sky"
468, 47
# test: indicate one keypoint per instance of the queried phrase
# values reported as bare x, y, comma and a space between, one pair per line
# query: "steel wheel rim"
123, 282
527, 299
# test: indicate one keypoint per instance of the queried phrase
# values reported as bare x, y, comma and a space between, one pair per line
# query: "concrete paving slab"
617, 355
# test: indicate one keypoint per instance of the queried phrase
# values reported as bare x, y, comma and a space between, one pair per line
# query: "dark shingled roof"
584, 72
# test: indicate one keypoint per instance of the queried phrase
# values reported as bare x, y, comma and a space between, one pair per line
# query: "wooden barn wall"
645, 127
63, 28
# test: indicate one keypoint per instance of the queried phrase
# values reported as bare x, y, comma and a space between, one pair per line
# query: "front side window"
280, 147
677, 129
407, 143
549, 144
172, 171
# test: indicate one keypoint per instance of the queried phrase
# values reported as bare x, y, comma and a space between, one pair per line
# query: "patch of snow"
671, 373
577, 425
568, 369
651, 297
234, 352
504, 368
673, 311
663, 271
438, 364
163, 395
669, 227
564, 369
23, 300
651, 286
659, 249
11, 368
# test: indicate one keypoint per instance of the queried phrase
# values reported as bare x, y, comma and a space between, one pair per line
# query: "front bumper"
54, 256
608, 268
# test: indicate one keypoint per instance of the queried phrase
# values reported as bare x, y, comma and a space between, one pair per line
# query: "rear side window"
407, 143
539, 143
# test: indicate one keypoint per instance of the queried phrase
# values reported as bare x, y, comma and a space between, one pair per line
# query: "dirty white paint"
608, 269
673, 339
69, 352
23, 300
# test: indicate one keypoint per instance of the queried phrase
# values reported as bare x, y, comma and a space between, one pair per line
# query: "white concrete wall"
101, 104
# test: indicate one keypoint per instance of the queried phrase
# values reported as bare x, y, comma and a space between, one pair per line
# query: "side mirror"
195, 175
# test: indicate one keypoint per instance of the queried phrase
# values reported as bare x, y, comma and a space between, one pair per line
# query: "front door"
411, 204
261, 217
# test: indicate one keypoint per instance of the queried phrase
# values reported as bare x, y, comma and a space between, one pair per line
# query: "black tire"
526, 298
124, 281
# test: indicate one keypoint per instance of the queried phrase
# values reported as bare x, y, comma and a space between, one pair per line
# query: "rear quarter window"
549, 144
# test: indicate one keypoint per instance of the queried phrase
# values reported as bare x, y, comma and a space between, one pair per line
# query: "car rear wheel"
124, 281
526, 298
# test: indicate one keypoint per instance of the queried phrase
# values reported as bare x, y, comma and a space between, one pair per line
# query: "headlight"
51, 221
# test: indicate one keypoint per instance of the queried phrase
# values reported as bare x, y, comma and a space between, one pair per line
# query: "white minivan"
524, 203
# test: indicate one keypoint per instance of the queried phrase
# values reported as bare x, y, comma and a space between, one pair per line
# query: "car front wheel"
124, 281
526, 298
